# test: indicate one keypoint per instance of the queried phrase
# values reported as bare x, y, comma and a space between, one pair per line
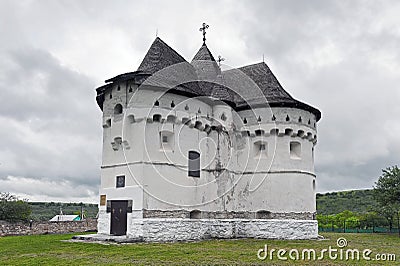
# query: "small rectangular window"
165, 139
120, 181
295, 150
194, 164
260, 149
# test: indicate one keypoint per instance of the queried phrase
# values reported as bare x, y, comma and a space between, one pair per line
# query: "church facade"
191, 152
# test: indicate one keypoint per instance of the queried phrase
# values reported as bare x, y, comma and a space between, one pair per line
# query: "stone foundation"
166, 230
228, 214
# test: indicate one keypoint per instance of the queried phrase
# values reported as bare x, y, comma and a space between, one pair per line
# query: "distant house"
65, 218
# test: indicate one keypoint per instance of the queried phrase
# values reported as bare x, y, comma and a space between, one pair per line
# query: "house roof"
65, 218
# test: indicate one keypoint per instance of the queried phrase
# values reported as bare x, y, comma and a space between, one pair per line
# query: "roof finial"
203, 29
263, 59
219, 60
156, 33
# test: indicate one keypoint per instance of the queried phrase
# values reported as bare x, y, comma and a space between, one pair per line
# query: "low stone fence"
40, 228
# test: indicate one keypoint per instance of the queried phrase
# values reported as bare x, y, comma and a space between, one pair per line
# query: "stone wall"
228, 214
39, 228
165, 230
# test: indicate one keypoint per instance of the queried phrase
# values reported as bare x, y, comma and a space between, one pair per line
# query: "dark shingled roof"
237, 87
203, 54
267, 82
269, 85
159, 56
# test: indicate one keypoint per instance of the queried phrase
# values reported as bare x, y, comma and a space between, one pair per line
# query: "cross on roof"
220, 59
203, 29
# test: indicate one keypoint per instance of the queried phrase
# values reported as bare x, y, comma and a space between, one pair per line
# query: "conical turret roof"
159, 56
269, 85
204, 54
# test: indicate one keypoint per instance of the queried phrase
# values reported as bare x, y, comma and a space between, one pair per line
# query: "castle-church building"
191, 151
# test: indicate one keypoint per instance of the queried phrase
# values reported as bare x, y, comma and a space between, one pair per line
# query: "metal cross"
203, 29
220, 59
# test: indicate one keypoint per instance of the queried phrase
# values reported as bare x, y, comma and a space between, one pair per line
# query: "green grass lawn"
51, 250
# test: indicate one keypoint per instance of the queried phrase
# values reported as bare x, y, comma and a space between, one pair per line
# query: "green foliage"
345, 218
12, 209
387, 188
357, 201
387, 194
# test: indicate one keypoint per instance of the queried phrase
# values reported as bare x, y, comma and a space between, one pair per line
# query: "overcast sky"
342, 57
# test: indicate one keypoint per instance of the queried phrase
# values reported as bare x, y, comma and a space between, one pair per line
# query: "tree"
387, 191
12, 209
370, 220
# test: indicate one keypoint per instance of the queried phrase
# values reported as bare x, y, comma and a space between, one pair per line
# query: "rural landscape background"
358, 207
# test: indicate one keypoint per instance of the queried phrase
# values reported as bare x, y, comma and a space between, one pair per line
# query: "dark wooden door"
118, 217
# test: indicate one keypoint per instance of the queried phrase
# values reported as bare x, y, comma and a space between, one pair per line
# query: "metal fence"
359, 230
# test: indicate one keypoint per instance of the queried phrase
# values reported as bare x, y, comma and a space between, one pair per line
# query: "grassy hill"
44, 211
354, 200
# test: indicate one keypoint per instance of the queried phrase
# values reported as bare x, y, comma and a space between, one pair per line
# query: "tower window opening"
195, 214
118, 109
259, 132
165, 139
131, 119
120, 182
157, 118
295, 150
108, 123
260, 149
194, 164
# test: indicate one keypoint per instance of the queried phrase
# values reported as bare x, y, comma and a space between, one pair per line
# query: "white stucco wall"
157, 176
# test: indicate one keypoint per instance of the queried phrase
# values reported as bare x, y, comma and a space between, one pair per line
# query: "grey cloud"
54, 128
341, 57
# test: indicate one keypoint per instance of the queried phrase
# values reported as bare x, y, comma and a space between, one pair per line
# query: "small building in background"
65, 218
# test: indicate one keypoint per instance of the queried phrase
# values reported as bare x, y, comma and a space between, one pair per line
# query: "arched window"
194, 164
118, 109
